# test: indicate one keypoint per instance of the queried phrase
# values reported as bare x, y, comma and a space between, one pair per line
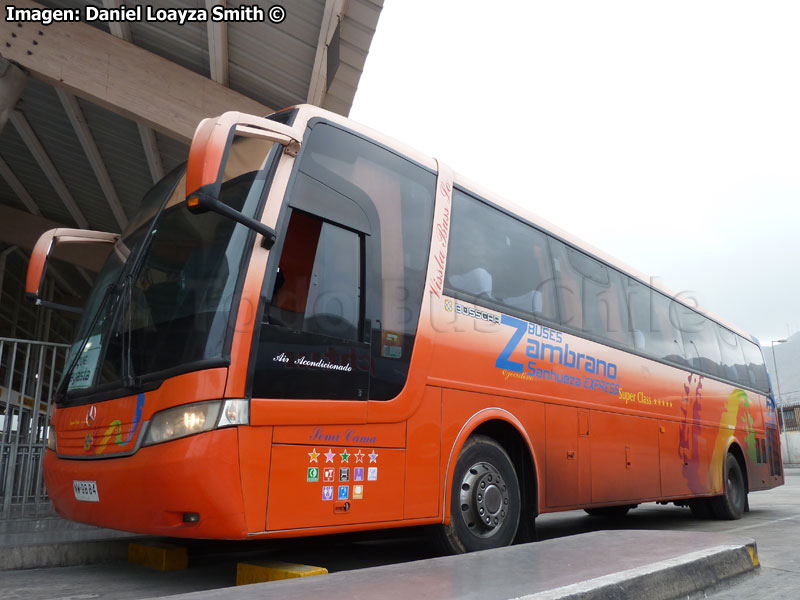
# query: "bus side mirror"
201, 202
42, 251
208, 155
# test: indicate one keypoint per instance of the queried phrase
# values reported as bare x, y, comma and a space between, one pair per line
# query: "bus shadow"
556, 525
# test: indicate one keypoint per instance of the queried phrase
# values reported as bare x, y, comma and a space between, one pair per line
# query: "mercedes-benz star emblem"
91, 415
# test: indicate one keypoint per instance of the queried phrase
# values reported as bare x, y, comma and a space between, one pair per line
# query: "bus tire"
730, 505
485, 501
609, 511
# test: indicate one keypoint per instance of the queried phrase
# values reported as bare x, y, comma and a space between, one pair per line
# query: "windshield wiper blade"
63, 388
129, 378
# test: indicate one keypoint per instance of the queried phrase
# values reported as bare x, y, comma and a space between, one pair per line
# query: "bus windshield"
163, 300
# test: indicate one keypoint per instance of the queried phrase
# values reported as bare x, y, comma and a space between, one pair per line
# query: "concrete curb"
661, 565
665, 580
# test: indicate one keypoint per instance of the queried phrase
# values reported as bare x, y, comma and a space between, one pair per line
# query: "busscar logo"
477, 313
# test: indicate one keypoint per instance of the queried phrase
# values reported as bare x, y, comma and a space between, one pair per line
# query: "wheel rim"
484, 499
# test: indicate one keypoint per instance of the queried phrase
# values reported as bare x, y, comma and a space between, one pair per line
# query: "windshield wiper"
63, 388
129, 378
132, 260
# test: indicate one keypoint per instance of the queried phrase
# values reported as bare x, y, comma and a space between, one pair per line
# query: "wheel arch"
507, 430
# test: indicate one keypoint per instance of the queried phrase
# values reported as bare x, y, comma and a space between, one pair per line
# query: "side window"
700, 344
653, 324
496, 259
666, 329
732, 360
756, 369
310, 342
590, 295
318, 286
351, 271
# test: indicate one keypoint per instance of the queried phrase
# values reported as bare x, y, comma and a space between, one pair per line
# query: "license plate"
85, 491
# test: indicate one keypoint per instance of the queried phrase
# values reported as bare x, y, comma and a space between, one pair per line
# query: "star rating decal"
340, 488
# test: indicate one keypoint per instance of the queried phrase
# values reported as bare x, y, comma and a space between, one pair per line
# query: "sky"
667, 134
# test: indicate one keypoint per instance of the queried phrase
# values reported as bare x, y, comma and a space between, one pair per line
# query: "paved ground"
774, 522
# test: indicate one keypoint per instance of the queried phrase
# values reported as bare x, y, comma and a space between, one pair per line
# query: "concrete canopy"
110, 107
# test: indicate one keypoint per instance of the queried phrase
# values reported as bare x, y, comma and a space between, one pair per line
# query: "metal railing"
29, 372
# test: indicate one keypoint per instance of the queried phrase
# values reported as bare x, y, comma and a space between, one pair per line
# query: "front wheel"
485, 502
730, 505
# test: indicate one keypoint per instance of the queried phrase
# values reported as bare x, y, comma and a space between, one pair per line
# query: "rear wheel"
730, 505
485, 502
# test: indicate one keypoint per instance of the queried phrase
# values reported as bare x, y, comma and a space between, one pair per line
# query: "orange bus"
311, 328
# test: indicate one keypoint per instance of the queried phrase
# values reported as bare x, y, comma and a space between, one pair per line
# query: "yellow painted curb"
159, 556
753, 554
273, 570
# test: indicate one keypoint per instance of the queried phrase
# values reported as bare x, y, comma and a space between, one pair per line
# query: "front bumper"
150, 491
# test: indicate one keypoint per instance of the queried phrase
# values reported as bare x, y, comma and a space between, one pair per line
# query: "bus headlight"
181, 421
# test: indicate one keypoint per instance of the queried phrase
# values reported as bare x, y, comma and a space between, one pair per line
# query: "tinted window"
732, 361
590, 295
700, 344
756, 369
386, 202
653, 324
319, 279
310, 345
499, 260
176, 290
177, 311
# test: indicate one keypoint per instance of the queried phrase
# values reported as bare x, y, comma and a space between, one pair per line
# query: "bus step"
158, 555
273, 570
